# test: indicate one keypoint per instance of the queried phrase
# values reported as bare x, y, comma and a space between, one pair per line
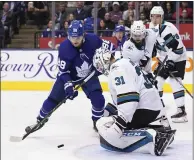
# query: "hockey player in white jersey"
140, 45
169, 41
138, 104
139, 49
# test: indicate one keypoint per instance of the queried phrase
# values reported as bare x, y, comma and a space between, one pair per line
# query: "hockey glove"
69, 90
144, 61
170, 66
151, 79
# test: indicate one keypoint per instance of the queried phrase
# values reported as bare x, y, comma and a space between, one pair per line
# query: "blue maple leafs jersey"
76, 63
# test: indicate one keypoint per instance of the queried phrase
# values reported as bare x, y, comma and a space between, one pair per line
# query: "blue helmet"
120, 28
76, 29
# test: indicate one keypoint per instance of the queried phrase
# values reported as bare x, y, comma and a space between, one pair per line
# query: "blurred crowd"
110, 14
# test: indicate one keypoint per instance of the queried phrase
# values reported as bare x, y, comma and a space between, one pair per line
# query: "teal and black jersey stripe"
162, 28
179, 94
178, 51
127, 97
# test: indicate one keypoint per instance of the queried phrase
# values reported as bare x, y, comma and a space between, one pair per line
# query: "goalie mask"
101, 60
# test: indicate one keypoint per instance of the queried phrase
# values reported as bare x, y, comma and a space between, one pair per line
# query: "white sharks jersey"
130, 89
169, 42
145, 53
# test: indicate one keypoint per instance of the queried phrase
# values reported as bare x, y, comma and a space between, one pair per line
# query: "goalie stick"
18, 139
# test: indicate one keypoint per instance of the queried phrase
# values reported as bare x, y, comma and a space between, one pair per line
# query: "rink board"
37, 69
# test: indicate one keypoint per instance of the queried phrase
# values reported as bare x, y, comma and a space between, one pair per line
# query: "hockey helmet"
138, 31
157, 10
76, 33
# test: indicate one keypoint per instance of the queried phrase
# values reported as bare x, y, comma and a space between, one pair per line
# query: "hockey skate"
94, 126
29, 128
162, 141
180, 116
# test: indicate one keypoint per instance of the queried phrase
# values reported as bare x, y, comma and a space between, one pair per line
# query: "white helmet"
157, 10
138, 31
101, 60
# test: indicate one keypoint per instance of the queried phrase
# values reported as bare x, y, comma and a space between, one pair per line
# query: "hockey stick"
171, 74
161, 66
18, 139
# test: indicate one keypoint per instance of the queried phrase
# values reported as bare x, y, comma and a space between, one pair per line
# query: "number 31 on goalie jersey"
119, 80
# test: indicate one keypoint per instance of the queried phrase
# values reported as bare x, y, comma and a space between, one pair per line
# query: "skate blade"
15, 139
180, 120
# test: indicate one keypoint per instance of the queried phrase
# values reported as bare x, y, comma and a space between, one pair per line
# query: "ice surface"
71, 125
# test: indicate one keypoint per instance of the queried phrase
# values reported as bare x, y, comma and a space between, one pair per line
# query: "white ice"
71, 125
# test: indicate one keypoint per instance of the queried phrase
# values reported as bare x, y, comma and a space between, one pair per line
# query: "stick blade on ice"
15, 139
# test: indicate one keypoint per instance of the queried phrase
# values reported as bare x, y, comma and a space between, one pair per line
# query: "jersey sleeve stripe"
178, 51
179, 94
128, 97
128, 93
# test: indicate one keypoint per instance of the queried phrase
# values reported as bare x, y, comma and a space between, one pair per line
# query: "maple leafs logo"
84, 70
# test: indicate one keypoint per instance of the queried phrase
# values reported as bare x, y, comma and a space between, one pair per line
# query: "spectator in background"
116, 14
89, 23
168, 11
148, 8
6, 20
64, 29
130, 8
184, 17
109, 24
130, 20
22, 13
48, 31
103, 30
38, 11
70, 18
184, 6
2, 33
61, 15
101, 10
14, 9
123, 6
142, 7
142, 17
80, 13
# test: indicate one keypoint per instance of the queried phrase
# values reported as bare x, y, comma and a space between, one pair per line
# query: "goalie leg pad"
130, 141
114, 139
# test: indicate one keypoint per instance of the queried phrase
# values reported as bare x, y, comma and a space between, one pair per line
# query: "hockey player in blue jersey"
120, 36
75, 64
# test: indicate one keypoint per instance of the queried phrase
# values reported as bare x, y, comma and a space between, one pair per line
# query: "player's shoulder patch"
115, 65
